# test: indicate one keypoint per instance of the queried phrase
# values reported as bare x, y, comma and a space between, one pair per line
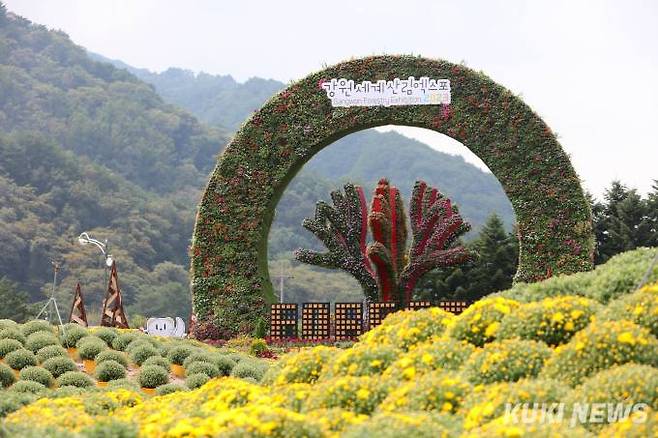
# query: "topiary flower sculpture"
384, 268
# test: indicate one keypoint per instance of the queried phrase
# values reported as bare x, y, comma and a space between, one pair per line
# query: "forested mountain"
87, 146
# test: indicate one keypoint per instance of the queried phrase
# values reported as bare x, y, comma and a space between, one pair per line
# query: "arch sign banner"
230, 280
411, 91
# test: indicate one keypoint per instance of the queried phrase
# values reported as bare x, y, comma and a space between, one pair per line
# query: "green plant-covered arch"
230, 280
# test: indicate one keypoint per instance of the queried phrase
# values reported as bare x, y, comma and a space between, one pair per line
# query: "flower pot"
149, 391
17, 373
90, 365
178, 370
101, 384
73, 353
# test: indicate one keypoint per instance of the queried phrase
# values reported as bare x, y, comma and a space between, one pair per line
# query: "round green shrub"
59, 365
75, 378
238, 357
89, 348
116, 356
7, 323
8, 345
440, 391
7, 376
360, 360
480, 322
224, 364
170, 388
68, 391
107, 334
13, 401
178, 354
123, 384
444, 354
122, 340
20, 359
137, 343
13, 333
628, 383
152, 376
200, 356
640, 307
36, 341
72, 334
599, 346
206, 368
37, 374
506, 361
551, 320
29, 386
195, 381
158, 361
110, 370
487, 402
50, 351
249, 369
37, 325
142, 352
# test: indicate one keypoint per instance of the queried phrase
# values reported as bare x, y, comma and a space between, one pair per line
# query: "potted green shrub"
152, 376
70, 338
88, 348
37, 374
20, 359
109, 370
177, 356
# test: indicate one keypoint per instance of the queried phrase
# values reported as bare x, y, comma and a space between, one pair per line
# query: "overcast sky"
590, 69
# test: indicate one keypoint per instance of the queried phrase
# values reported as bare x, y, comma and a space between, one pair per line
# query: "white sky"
590, 69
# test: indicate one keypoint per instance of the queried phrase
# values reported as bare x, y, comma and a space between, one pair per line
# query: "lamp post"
85, 239
52, 300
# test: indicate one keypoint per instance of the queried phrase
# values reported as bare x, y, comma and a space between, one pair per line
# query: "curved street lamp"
85, 239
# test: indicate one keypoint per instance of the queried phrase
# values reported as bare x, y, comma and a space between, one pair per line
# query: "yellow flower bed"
424, 373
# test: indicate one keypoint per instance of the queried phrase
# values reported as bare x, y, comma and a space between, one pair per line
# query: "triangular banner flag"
113, 314
78, 314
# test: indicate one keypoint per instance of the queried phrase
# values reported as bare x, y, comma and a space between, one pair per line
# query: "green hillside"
87, 146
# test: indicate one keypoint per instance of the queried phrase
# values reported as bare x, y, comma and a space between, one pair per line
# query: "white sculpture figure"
166, 327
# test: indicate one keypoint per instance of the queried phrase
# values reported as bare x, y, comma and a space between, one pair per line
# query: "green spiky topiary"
50, 351
206, 368
37, 340
59, 365
13, 333
152, 376
141, 352
178, 354
75, 378
20, 359
8, 345
170, 388
37, 374
37, 325
7, 376
158, 361
116, 356
107, 334
72, 334
195, 381
110, 370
